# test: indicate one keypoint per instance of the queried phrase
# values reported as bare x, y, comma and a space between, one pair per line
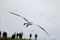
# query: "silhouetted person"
30, 36
0, 34
35, 36
13, 36
4, 34
21, 35
18, 35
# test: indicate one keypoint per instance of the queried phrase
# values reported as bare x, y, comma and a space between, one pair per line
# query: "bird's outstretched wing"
19, 16
15, 14
43, 29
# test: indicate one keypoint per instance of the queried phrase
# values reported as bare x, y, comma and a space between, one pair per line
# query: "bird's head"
30, 23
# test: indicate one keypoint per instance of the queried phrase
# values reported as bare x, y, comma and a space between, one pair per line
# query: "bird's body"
28, 24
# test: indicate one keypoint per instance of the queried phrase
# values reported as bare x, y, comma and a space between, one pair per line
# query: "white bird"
29, 23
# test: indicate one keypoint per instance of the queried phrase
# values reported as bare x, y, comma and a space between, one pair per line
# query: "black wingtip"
24, 24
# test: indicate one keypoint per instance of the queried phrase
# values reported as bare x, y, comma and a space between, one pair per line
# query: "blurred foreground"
15, 36
12, 39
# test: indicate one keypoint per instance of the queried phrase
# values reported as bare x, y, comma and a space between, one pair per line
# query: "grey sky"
43, 12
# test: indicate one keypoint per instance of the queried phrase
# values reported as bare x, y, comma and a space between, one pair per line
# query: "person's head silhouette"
35, 36
30, 35
4, 34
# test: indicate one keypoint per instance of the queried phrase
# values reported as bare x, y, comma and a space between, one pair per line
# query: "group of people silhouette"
15, 35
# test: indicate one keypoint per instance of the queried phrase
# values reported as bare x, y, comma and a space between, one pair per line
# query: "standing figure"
21, 35
17, 35
30, 36
13, 36
0, 34
4, 35
35, 36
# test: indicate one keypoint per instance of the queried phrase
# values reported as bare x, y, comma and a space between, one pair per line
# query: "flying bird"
27, 22
42, 29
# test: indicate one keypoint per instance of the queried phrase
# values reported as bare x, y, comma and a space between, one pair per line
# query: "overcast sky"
45, 13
